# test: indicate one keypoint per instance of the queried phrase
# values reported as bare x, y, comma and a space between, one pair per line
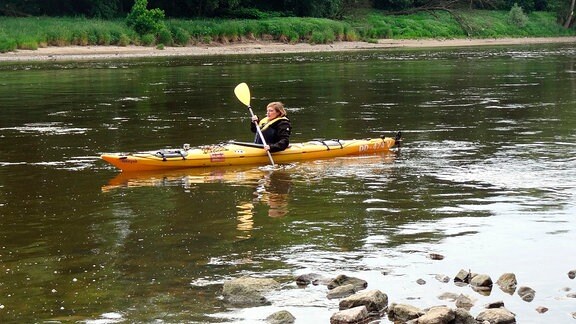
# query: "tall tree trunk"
570, 15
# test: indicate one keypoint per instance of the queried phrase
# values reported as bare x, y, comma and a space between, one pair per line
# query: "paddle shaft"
259, 132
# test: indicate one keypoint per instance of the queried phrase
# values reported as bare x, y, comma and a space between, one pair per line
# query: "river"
485, 176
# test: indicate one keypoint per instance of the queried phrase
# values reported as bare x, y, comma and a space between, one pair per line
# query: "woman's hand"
266, 147
254, 118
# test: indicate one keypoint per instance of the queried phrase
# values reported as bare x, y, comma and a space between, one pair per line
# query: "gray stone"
496, 304
541, 309
507, 283
463, 276
463, 317
341, 291
496, 316
526, 293
374, 300
481, 281
436, 256
403, 313
437, 315
342, 280
352, 315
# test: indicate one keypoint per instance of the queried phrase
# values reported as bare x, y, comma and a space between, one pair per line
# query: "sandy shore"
111, 52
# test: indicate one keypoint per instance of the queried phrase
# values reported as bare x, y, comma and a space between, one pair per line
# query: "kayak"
249, 175
242, 153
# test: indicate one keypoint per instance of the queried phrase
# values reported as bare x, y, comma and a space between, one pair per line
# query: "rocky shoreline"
68, 53
358, 304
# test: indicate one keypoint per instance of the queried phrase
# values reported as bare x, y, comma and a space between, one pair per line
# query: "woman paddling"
275, 127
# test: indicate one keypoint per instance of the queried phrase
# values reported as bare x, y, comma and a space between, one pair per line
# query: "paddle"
242, 92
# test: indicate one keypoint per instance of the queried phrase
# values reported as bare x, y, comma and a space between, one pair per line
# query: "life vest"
264, 123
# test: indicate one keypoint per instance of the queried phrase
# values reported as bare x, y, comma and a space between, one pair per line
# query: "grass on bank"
33, 32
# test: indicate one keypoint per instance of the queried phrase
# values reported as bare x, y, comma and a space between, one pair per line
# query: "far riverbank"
67, 53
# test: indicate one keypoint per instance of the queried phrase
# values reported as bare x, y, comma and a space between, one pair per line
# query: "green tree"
144, 20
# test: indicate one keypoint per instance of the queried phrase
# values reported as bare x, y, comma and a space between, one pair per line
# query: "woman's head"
277, 108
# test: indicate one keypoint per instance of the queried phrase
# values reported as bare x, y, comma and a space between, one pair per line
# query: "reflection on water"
273, 190
486, 178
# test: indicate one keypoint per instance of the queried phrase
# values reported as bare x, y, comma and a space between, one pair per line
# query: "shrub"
7, 45
517, 17
165, 37
28, 44
322, 37
80, 37
181, 36
148, 39
123, 40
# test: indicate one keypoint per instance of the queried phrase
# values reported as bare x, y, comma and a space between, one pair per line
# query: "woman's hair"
279, 107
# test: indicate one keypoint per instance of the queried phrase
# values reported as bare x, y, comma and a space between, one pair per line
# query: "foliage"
106, 9
165, 37
144, 20
32, 33
517, 17
564, 11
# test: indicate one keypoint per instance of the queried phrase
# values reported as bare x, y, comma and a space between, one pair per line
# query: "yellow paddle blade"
242, 92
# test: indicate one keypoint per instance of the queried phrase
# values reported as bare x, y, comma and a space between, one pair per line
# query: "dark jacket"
277, 133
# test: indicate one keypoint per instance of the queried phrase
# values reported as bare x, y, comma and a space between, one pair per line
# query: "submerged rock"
448, 296
281, 317
465, 302
248, 291
442, 278
311, 278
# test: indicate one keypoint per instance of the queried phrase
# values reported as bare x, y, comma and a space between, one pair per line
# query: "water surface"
485, 177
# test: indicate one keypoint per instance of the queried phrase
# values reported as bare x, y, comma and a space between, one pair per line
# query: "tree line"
254, 9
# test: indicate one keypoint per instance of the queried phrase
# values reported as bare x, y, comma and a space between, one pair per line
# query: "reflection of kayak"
238, 153
185, 177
